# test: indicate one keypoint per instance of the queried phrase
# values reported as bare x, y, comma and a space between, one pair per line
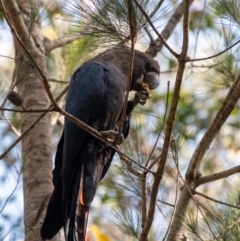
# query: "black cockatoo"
96, 96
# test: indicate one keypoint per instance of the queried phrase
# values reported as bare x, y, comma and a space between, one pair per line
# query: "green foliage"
201, 20
106, 22
191, 223
128, 222
82, 50
223, 221
229, 9
109, 20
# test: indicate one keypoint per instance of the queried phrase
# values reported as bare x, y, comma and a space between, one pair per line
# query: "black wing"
95, 96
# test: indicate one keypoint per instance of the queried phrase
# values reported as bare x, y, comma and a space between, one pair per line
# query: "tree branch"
215, 55
32, 125
128, 163
169, 204
22, 135
217, 176
222, 115
215, 200
157, 45
98, 136
44, 80
133, 39
15, 22
161, 128
169, 127
157, 7
14, 189
28, 111
13, 128
175, 158
12, 11
59, 81
143, 199
155, 30
60, 42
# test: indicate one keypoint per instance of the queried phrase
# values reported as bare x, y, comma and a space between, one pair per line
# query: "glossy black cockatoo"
96, 96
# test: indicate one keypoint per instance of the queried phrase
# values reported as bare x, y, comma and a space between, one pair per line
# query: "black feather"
96, 96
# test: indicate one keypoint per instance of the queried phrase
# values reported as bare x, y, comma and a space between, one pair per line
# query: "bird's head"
145, 69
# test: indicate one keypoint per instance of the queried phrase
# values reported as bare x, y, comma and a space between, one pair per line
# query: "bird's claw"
113, 135
141, 97
109, 133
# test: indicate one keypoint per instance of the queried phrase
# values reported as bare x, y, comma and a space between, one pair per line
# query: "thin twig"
161, 211
22, 63
157, 45
143, 199
199, 28
156, 9
32, 125
12, 7
175, 158
169, 204
185, 41
215, 200
59, 81
149, 34
215, 55
169, 125
129, 166
22, 135
155, 30
15, 188
28, 111
228, 228
132, 36
161, 128
13, 128
191, 192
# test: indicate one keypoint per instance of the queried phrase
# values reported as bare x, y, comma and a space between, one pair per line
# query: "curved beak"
152, 79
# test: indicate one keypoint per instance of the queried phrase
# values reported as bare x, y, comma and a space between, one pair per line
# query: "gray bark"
36, 146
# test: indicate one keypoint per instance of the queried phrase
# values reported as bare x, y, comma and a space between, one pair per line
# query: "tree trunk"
180, 215
36, 146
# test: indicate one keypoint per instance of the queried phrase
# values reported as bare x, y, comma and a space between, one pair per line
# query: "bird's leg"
113, 135
109, 133
141, 97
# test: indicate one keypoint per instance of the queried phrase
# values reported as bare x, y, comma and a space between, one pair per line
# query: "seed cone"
15, 98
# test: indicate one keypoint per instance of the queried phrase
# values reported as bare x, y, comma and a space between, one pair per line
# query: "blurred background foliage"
115, 213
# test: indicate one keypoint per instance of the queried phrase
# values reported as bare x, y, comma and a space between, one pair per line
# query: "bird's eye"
148, 63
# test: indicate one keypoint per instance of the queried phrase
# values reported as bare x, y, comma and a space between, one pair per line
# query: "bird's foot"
141, 97
114, 136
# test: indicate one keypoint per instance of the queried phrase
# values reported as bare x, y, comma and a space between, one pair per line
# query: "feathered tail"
81, 221
53, 221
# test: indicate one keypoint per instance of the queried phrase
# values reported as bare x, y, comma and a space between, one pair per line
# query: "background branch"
222, 115
60, 42
169, 128
217, 176
215, 200
14, 18
156, 46
155, 30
